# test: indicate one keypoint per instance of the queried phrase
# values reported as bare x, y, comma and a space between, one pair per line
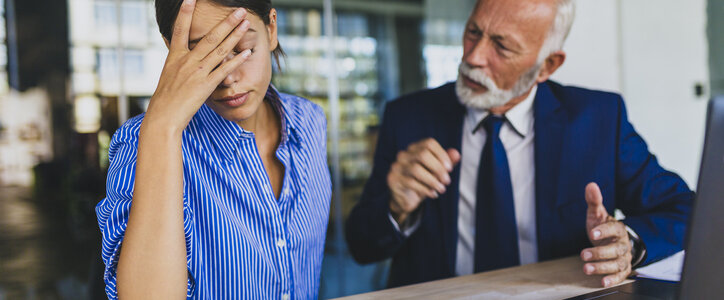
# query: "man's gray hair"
565, 13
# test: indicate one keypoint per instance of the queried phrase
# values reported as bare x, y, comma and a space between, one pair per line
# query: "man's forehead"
515, 10
517, 17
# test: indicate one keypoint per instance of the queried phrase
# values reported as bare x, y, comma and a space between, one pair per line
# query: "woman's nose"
232, 77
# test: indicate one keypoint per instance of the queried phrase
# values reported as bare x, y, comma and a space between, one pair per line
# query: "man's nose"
478, 54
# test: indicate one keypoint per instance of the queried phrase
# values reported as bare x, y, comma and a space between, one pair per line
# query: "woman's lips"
234, 101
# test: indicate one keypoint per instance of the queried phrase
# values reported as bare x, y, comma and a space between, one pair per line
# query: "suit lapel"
549, 126
448, 132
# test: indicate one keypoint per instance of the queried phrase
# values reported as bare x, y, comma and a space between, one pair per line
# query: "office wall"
593, 52
654, 53
716, 45
665, 56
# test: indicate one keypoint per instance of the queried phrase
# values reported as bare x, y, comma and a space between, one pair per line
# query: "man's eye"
501, 46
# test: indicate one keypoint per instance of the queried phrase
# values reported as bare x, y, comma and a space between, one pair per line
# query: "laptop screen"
703, 274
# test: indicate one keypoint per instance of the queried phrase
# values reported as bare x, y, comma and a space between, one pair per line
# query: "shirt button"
285, 297
281, 243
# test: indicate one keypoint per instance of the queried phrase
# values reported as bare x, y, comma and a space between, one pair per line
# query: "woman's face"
241, 93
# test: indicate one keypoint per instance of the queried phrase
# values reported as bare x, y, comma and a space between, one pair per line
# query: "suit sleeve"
657, 203
370, 234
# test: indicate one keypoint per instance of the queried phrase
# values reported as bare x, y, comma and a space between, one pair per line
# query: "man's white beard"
494, 96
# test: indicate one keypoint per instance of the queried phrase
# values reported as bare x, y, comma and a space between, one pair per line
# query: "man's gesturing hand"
421, 171
611, 254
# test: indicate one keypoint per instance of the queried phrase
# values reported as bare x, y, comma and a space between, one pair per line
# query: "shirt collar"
226, 134
288, 126
519, 117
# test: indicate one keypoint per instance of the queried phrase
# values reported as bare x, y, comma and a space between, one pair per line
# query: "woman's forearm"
152, 262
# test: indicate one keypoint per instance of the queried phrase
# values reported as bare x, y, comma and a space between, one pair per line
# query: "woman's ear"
168, 44
272, 29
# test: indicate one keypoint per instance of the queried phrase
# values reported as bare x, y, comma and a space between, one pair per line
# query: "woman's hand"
190, 76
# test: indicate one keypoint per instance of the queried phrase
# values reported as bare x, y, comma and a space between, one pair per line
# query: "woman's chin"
236, 115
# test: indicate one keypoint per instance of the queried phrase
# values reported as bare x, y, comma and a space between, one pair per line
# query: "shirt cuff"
638, 248
409, 226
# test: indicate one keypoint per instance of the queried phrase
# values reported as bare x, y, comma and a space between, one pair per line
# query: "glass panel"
306, 73
444, 25
383, 50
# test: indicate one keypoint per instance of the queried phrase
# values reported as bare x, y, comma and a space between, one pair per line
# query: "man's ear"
550, 65
272, 29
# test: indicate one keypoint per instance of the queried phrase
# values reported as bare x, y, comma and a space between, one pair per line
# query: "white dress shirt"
517, 136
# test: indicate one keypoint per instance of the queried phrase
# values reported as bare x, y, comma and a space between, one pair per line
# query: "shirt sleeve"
409, 226
113, 211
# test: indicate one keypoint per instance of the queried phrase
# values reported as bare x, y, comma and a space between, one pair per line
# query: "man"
504, 167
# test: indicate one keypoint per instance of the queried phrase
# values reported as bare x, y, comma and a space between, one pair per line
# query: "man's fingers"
403, 157
454, 156
410, 183
421, 174
217, 35
182, 26
606, 252
615, 230
612, 266
595, 202
434, 147
435, 166
615, 279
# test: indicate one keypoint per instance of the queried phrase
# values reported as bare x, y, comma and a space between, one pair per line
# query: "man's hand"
611, 254
421, 171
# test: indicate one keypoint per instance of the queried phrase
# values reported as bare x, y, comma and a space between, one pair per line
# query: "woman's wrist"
161, 127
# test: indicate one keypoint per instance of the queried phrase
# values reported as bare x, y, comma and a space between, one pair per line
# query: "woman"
221, 190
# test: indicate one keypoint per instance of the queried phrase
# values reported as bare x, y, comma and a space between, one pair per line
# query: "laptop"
703, 272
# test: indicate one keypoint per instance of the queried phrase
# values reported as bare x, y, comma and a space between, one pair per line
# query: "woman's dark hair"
167, 10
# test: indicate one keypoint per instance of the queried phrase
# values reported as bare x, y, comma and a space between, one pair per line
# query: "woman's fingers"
222, 51
229, 66
182, 27
216, 36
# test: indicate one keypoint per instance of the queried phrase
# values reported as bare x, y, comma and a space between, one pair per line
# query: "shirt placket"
284, 244
279, 234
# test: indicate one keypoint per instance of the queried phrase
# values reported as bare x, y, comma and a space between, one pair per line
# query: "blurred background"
71, 71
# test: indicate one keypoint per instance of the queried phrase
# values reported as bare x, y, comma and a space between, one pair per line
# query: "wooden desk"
556, 279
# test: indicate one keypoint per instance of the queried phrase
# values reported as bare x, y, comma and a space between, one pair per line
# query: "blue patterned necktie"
496, 232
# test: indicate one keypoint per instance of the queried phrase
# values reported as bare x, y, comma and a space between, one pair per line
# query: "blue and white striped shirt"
241, 242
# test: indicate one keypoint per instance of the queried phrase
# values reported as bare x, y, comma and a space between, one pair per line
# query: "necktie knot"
493, 124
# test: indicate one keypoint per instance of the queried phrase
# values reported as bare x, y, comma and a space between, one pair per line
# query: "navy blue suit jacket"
581, 136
